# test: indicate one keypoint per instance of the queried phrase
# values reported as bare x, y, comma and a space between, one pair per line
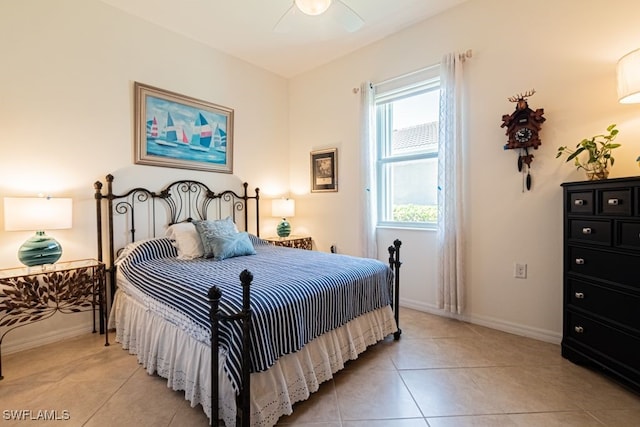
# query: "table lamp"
38, 214
628, 76
628, 73
283, 208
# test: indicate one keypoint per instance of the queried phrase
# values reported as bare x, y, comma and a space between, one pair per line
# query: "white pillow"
186, 240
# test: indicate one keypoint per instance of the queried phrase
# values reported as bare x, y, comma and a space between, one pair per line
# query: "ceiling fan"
337, 9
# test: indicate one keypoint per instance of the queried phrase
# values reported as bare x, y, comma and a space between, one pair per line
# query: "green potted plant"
598, 148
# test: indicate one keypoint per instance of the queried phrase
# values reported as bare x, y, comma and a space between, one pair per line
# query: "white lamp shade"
283, 208
313, 7
37, 213
628, 72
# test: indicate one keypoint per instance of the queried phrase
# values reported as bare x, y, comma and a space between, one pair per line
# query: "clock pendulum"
524, 161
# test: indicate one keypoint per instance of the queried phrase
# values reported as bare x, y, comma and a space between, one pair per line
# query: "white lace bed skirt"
162, 348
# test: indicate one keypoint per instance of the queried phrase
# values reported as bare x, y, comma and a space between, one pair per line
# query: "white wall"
66, 117
66, 120
567, 51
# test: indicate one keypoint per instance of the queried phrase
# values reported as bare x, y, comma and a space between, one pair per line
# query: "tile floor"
441, 373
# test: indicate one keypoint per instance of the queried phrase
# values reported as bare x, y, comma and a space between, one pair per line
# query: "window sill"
429, 228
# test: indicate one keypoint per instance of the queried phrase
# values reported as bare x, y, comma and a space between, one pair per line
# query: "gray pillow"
210, 229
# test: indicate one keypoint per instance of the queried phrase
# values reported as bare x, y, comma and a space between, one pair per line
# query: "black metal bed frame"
188, 200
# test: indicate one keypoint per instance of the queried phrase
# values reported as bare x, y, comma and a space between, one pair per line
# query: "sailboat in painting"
152, 128
171, 134
202, 134
220, 140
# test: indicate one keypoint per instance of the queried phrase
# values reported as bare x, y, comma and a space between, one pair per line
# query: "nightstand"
30, 294
298, 242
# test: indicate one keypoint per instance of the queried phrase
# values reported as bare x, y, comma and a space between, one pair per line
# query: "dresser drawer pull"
579, 295
586, 230
578, 202
578, 329
580, 261
612, 202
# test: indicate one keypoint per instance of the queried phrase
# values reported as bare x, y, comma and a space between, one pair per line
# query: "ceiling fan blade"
345, 16
286, 21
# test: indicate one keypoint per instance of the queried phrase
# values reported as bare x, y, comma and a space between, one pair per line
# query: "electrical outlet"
520, 271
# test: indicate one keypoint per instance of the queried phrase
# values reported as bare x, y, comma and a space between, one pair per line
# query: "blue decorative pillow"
208, 230
232, 245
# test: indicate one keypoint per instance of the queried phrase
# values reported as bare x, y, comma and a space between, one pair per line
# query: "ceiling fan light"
312, 7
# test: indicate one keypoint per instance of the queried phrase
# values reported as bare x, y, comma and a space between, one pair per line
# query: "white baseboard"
34, 341
490, 322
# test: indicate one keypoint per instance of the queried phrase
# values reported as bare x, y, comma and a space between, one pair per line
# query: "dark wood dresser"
602, 276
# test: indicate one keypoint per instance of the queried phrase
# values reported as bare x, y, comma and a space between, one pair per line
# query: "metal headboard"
179, 201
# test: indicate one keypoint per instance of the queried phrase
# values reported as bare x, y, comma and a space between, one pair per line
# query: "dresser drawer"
628, 235
616, 202
597, 231
618, 306
614, 267
580, 202
606, 341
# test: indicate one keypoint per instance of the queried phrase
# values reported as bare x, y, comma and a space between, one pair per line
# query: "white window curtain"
450, 292
368, 199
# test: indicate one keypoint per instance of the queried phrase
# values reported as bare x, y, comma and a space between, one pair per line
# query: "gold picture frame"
179, 131
324, 170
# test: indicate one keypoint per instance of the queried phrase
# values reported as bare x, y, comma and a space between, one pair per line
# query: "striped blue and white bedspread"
296, 295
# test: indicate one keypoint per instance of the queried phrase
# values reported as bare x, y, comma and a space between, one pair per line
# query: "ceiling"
244, 28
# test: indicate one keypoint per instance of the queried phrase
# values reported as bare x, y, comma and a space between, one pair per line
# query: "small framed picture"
178, 131
324, 170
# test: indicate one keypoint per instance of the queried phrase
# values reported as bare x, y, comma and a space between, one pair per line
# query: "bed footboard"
243, 417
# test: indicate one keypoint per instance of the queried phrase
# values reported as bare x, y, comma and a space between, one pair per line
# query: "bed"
187, 273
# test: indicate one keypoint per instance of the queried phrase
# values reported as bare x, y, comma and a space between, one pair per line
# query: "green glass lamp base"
39, 249
284, 228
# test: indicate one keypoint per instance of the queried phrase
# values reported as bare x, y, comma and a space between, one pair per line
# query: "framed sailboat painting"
178, 131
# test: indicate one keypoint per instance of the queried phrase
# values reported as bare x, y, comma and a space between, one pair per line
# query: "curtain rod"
462, 56
465, 55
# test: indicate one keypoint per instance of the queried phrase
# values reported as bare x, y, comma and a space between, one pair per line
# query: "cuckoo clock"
523, 126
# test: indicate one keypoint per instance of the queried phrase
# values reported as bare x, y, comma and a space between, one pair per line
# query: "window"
407, 150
